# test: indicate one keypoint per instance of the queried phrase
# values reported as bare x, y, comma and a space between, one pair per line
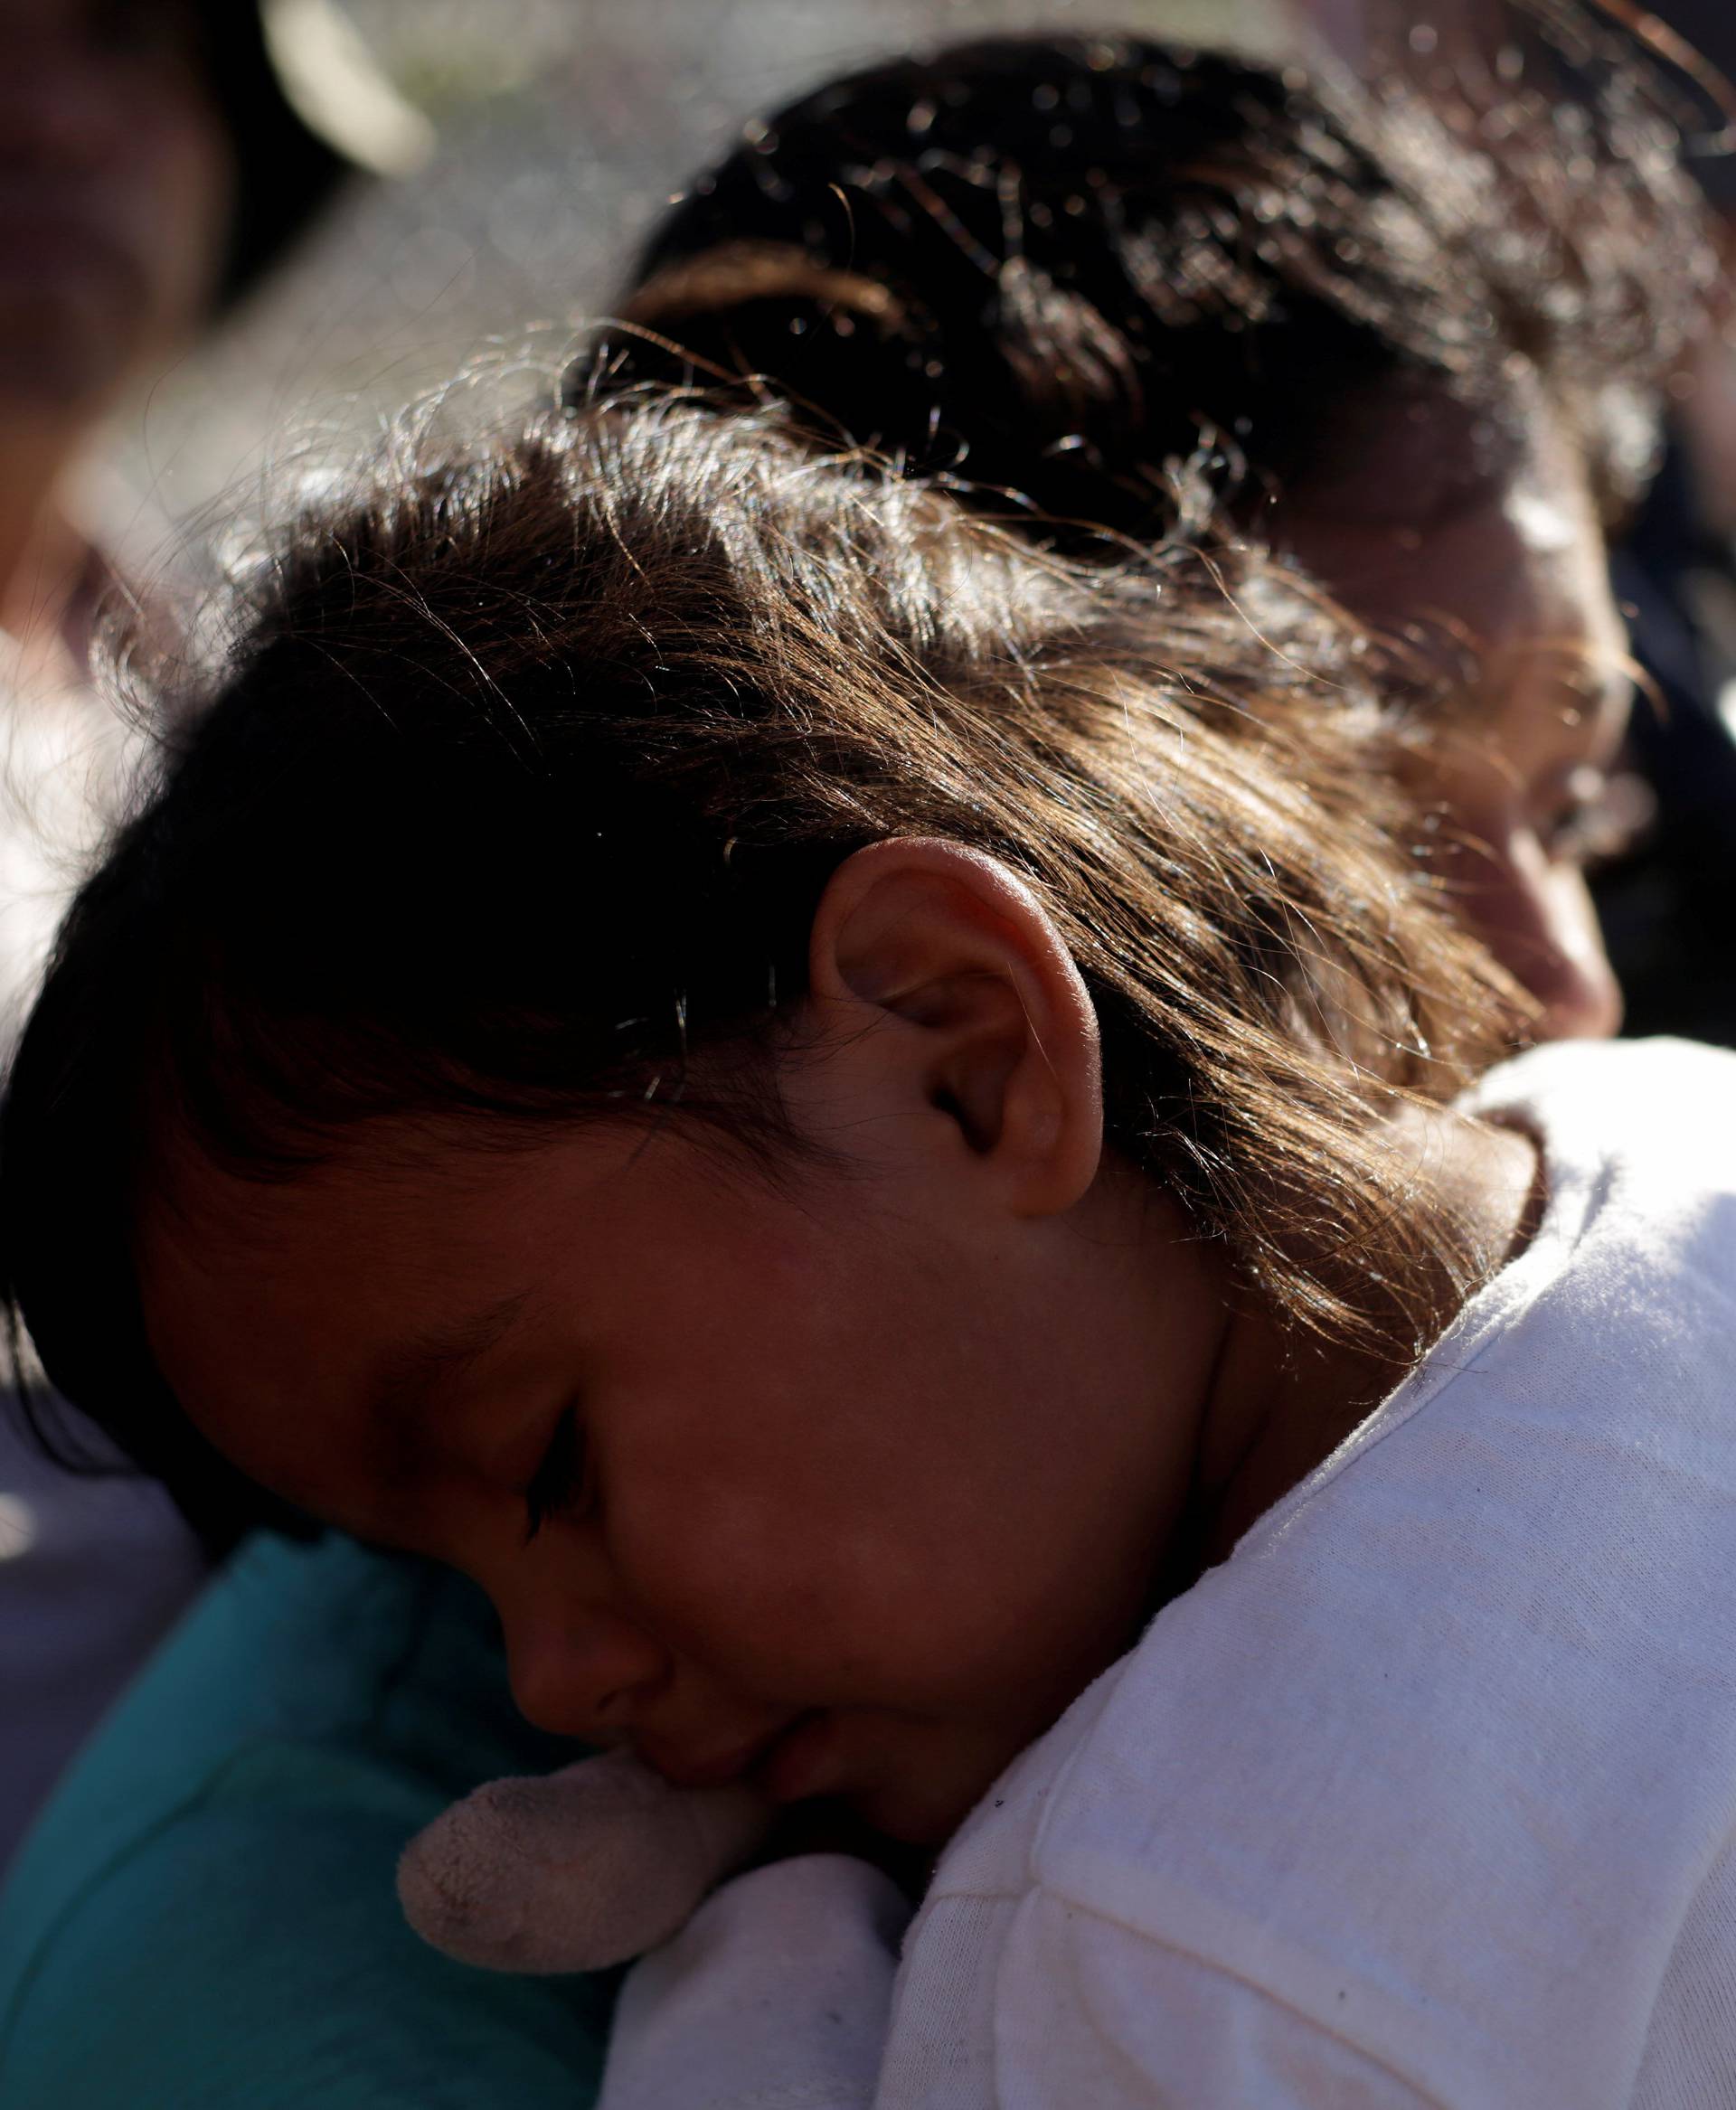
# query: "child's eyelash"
560, 1482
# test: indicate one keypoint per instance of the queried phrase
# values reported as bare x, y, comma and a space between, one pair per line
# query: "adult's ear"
940, 974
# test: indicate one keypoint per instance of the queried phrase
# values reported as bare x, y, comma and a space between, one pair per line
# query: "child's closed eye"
560, 1485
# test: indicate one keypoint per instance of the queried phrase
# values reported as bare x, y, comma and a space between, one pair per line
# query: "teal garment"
204, 1918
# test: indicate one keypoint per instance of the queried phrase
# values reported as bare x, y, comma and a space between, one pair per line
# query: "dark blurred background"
558, 129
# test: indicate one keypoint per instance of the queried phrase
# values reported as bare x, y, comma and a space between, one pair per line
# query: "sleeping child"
868, 1128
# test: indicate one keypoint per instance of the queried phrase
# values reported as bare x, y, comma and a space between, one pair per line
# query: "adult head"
636, 788
152, 170
1062, 266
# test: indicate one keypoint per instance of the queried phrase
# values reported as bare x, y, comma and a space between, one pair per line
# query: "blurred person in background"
1422, 354
152, 172
1670, 909
1667, 904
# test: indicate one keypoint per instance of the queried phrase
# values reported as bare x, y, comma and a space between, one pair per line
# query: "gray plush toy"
575, 1871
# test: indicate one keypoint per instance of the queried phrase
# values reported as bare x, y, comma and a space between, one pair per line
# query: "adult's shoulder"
1662, 1104
1441, 1752
1638, 1145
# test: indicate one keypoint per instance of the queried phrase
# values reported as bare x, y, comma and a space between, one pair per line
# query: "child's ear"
951, 978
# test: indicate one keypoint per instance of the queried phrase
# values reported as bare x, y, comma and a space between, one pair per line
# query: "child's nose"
583, 1672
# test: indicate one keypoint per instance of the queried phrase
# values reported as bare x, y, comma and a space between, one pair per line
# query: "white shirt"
1427, 1795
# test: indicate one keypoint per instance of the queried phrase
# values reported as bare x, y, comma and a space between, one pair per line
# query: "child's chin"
908, 1784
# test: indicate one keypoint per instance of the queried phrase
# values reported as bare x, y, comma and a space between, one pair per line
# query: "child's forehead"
440, 1192
381, 1166
375, 1266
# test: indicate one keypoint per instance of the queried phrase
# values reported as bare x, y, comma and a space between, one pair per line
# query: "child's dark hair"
1060, 265
512, 798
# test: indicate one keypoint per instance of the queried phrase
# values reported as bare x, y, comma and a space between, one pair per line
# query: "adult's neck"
1280, 1401
43, 557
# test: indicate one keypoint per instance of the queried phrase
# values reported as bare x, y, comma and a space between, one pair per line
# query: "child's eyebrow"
408, 1378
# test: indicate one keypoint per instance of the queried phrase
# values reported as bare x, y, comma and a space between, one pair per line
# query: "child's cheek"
712, 1570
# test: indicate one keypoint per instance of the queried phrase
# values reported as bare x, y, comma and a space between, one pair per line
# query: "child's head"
710, 1040
1433, 334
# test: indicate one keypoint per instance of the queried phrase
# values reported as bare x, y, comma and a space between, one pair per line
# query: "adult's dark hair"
514, 796
1059, 264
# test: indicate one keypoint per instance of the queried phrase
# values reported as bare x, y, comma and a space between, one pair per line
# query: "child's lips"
693, 1769
718, 1768
788, 1764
